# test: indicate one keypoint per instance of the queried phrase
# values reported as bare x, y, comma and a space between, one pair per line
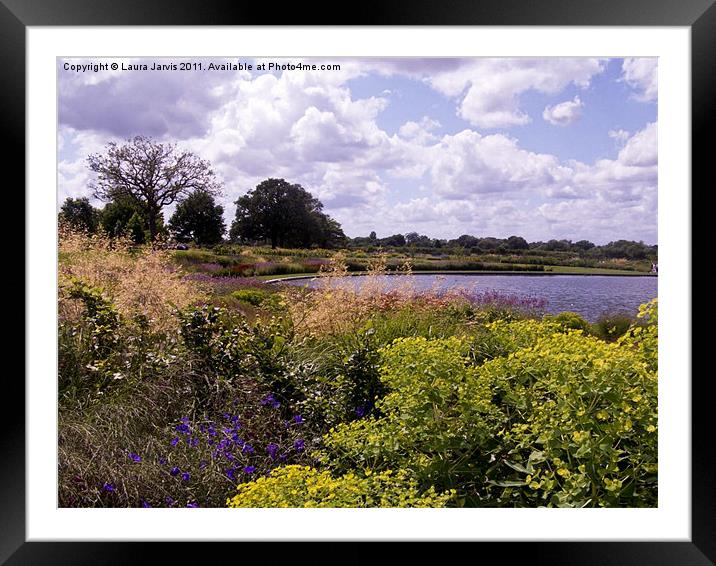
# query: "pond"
588, 295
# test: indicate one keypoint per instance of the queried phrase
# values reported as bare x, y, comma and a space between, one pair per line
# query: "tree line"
139, 179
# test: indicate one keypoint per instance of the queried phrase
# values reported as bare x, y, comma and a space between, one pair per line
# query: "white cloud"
642, 75
468, 163
310, 129
564, 113
620, 136
492, 87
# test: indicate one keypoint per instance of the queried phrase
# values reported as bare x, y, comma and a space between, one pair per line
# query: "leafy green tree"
284, 214
517, 243
135, 229
199, 219
80, 214
150, 174
117, 218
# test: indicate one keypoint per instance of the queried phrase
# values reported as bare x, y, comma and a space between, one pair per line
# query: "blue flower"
249, 469
145, 503
162, 460
193, 441
272, 450
186, 476
192, 504
135, 457
174, 441
174, 471
299, 444
169, 500
247, 449
108, 487
360, 411
183, 428
231, 473
298, 419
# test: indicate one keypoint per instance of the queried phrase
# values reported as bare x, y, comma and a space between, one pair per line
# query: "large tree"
286, 215
80, 214
123, 217
199, 219
150, 174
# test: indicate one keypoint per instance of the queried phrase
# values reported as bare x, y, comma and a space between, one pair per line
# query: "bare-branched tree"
151, 174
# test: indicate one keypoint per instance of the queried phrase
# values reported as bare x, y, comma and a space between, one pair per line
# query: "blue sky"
542, 148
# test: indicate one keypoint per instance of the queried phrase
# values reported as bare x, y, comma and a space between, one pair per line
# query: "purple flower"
186, 476
108, 487
282, 457
202, 464
162, 461
183, 428
270, 400
135, 457
174, 441
272, 450
192, 504
298, 419
193, 441
174, 471
247, 449
299, 444
249, 469
231, 473
145, 503
169, 501
360, 411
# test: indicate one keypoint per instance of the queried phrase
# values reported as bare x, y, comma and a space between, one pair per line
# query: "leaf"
520, 468
507, 483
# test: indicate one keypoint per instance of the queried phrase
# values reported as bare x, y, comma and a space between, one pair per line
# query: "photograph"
357, 282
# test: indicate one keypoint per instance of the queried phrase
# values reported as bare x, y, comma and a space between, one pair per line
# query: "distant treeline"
419, 243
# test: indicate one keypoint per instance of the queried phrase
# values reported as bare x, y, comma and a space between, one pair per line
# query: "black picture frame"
698, 15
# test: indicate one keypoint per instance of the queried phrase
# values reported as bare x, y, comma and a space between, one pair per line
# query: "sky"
543, 148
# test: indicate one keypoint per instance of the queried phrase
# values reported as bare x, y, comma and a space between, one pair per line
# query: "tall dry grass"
140, 281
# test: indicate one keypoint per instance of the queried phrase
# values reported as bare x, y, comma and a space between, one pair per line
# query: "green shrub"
544, 417
570, 321
582, 417
438, 417
611, 326
252, 296
301, 486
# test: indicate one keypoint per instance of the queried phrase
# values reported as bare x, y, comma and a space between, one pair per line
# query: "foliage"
198, 219
79, 214
301, 486
612, 326
150, 174
437, 421
570, 321
348, 395
549, 418
286, 215
581, 430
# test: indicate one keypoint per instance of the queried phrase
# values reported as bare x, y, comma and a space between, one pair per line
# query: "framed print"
387, 279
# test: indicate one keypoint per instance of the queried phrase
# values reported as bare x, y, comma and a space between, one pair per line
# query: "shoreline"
302, 276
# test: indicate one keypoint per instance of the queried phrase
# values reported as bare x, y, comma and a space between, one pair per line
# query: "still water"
589, 295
